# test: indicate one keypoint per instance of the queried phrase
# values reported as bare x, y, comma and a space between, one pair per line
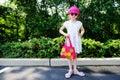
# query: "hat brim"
73, 12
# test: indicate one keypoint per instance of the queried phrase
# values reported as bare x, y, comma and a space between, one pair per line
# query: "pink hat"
73, 9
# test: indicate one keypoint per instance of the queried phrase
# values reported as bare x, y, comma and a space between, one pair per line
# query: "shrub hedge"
50, 48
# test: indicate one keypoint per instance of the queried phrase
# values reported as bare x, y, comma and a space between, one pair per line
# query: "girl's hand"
82, 31
67, 35
80, 34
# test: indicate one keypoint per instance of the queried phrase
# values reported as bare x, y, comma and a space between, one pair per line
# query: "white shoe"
79, 73
69, 74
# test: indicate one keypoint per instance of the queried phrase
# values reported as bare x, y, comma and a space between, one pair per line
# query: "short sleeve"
80, 23
65, 24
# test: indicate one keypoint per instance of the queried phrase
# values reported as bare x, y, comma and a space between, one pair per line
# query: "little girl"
75, 31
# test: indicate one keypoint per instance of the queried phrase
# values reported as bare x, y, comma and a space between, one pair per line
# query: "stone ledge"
24, 62
88, 61
57, 61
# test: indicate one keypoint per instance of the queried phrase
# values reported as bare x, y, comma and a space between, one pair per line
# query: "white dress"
73, 29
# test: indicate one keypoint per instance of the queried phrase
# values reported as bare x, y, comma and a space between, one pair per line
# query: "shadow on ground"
57, 73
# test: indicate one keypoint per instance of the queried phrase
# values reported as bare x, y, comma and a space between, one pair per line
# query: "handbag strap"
68, 40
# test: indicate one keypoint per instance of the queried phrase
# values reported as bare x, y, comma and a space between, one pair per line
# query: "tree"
35, 18
100, 19
6, 27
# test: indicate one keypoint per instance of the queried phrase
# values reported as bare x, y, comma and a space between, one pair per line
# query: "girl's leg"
75, 68
75, 64
70, 72
70, 63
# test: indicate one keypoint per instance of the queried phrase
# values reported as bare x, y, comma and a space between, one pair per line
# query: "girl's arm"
62, 32
82, 31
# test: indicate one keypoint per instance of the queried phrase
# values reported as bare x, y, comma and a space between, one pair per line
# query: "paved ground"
57, 73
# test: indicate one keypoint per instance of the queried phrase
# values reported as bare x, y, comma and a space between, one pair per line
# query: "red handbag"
68, 51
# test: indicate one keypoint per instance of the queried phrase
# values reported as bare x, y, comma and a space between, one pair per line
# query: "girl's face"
73, 16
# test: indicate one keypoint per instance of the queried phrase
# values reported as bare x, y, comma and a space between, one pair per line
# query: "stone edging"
57, 61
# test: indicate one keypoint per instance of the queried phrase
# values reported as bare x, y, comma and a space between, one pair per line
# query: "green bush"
50, 48
10, 49
92, 48
112, 48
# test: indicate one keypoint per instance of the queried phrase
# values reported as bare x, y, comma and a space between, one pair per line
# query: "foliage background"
23, 20
50, 48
